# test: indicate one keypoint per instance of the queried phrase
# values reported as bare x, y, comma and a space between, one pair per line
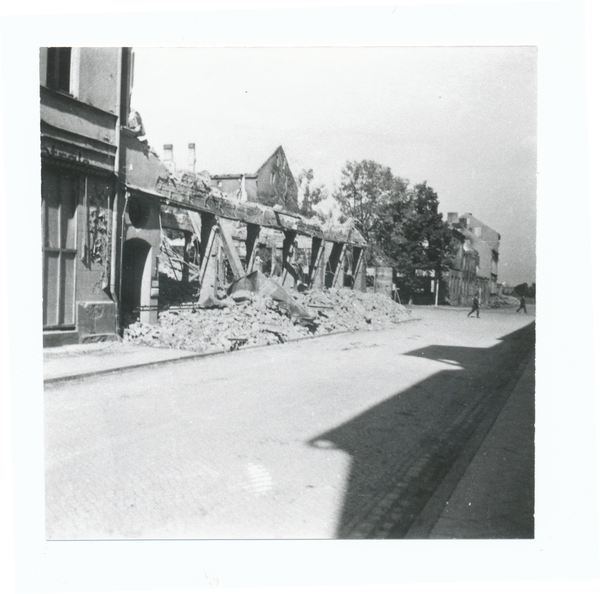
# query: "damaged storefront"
80, 121
122, 233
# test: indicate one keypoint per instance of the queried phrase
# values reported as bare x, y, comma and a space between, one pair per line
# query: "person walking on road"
475, 308
522, 305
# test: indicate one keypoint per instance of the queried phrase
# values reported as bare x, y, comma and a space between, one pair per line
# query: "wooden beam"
252, 235
333, 264
288, 246
357, 258
316, 255
205, 228
190, 199
339, 265
230, 251
185, 270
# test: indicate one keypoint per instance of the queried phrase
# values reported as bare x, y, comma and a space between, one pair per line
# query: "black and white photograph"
284, 294
283, 304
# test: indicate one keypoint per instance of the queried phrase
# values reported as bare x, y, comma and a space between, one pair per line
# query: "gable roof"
278, 149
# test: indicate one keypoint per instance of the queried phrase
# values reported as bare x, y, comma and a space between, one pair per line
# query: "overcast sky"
461, 118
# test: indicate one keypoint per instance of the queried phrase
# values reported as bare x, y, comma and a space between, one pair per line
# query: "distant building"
272, 184
462, 274
474, 270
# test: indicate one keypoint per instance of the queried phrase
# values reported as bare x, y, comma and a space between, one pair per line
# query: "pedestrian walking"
522, 305
475, 308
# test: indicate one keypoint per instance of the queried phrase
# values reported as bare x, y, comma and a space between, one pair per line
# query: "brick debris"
248, 319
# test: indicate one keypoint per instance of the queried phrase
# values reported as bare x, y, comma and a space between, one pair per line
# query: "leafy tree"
365, 187
524, 290
402, 226
521, 290
310, 194
411, 236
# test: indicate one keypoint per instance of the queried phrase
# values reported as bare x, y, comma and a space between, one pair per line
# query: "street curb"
78, 376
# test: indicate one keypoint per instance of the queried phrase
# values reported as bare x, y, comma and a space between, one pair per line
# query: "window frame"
64, 315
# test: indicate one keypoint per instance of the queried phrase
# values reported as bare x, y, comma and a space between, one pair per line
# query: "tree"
309, 194
365, 187
531, 292
524, 290
411, 236
521, 290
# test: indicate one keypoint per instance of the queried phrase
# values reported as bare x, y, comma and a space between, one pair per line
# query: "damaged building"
84, 94
109, 202
474, 268
249, 222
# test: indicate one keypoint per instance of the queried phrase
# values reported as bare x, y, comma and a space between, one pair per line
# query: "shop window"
59, 69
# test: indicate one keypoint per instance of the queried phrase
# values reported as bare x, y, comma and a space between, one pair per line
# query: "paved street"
365, 435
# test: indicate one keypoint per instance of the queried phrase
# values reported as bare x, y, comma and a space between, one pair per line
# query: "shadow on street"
402, 449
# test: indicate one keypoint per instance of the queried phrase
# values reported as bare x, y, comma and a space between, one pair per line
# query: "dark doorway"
134, 278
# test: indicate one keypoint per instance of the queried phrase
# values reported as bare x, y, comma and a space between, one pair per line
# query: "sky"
461, 118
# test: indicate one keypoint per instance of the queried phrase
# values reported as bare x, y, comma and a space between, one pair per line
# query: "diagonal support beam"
316, 255
334, 264
357, 259
252, 235
288, 247
230, 251
205, 228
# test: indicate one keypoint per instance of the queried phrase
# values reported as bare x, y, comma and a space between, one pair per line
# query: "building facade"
92, 230
474, 270
461, 277
83, 97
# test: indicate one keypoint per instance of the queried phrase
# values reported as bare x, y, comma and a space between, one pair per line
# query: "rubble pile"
345, 309
248, 319
174, 292
505, 301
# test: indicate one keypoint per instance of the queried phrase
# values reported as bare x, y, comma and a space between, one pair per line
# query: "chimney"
452, 218
168, 157
192, 157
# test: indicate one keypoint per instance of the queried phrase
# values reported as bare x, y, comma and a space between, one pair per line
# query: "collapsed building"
109, 202
257, 227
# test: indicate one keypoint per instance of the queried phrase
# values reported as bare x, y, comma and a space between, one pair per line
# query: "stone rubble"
251, 320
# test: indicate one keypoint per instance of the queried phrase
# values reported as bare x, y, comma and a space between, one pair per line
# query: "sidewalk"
82, 360
495, 496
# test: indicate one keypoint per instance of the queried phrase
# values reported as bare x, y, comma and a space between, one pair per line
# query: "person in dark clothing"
475, 308
522, 305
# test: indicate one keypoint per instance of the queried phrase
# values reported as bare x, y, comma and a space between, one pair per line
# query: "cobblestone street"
348, 436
